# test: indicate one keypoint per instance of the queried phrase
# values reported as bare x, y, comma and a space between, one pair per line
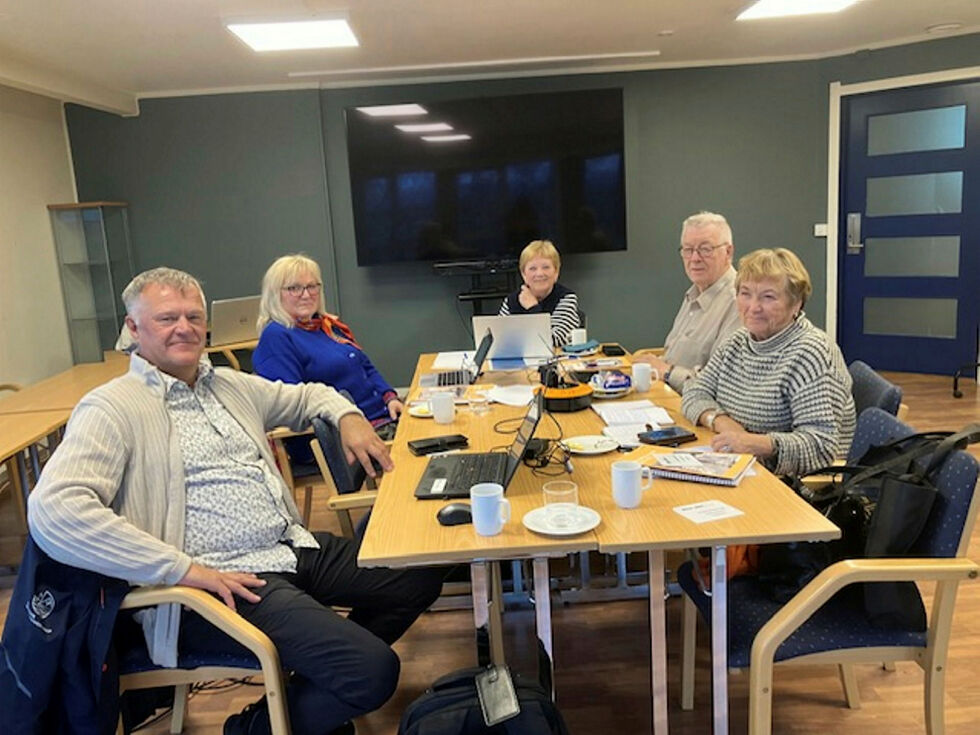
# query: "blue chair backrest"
347, 478
956, 482
874, 428
870, 389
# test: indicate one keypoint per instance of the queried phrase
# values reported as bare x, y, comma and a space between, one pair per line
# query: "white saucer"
537, 520
593, 444
420, 411
609, 394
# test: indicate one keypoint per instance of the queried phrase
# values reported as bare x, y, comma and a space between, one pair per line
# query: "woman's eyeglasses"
297, 290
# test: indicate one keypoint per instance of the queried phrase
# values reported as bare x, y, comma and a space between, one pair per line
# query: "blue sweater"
294, 355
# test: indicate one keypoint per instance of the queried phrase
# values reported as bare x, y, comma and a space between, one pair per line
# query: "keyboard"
474, 468
454, 377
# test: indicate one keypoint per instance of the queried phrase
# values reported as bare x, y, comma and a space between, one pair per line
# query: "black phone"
672, 436
418, 447
613, 350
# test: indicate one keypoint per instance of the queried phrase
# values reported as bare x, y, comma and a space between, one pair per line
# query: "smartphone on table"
670, 436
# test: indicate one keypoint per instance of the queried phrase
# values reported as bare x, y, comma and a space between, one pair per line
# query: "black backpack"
881, 504
451, 706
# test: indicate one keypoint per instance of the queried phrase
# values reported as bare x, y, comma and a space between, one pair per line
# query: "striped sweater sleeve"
564, 319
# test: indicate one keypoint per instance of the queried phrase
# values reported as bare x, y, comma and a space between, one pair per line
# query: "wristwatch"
712, 416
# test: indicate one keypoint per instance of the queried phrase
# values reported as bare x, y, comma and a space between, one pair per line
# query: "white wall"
35, 170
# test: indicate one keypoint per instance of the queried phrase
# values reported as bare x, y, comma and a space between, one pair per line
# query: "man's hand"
395, 408
224, 584
360, 443
526, 298
655, 361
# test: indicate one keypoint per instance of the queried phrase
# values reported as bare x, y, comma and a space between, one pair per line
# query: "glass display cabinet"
95, 263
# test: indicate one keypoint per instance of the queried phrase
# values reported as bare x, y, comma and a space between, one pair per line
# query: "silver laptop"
515, 337
452, 475
233, 320
467, 375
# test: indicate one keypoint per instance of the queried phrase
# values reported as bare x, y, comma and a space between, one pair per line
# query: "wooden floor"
601, 653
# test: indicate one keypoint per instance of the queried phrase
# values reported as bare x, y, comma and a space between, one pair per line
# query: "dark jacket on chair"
54, 677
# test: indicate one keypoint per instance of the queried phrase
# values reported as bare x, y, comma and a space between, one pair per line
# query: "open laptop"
518, 336
233, 320
464, 376
452, 475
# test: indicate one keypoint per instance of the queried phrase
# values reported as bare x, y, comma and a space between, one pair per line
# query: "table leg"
542, 612
24, 486
719, 640
487, 598
658, 641
20, 495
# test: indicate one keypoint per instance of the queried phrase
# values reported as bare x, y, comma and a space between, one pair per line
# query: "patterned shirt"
236, 519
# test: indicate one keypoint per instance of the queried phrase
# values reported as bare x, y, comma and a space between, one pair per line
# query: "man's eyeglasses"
297, 290
705, 251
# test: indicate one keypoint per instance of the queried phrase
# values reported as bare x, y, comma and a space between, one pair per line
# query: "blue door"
909, 249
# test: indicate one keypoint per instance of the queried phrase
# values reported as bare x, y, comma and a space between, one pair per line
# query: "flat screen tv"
487, 175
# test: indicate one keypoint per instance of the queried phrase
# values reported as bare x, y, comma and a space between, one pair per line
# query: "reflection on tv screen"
477, 179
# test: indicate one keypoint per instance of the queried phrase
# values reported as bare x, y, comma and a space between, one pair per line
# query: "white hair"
178, 280
709, 219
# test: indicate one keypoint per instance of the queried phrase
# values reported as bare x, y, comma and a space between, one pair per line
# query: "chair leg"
760, 698
181, 692
849, 681
307, 505
689, 638
935, 693
346, 525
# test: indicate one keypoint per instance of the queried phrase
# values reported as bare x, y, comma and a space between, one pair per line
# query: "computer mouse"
454, 514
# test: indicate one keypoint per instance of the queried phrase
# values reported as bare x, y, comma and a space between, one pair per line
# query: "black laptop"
465, 376
452, 475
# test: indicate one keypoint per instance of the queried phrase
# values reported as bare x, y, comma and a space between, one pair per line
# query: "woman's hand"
526, 298
395, 408
731, 437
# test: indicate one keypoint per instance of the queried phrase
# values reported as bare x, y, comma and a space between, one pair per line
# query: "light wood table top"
404, 531
19, 431
64, 390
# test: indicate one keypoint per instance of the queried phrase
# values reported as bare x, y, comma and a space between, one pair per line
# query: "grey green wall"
221, 185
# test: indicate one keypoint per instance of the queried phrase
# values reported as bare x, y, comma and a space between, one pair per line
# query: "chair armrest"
284, 432
815, 482
211, 609
352, 501
851, 571
649, 351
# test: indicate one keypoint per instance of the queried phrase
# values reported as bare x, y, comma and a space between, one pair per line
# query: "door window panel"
910, 317
940, 128
924, 257
939, 193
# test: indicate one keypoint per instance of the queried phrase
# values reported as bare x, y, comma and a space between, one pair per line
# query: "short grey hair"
178, 280
283, 271
709, 219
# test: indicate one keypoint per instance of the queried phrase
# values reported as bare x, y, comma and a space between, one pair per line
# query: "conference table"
64, 390
403, 531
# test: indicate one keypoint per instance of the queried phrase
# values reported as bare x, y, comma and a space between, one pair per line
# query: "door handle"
854, 244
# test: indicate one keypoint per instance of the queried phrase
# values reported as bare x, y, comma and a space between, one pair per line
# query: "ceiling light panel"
445, 138
295, 35
784, 8
408, 110
438, 127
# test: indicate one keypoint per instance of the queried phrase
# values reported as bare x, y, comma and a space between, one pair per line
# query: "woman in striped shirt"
541, 292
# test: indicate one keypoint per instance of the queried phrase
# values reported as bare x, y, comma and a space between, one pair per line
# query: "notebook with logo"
452, 475
464, 376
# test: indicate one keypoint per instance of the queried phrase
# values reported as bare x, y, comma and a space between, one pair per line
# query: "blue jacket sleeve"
276, 356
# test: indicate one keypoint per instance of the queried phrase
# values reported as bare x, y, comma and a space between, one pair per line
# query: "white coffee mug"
642, 376
579, 336
628, 482
443, 407
489, 507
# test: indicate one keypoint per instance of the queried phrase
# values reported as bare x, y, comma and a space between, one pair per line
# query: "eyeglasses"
705, 251
297, 290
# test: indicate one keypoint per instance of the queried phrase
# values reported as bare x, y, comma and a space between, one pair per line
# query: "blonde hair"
540, 249
776, 264
284, 271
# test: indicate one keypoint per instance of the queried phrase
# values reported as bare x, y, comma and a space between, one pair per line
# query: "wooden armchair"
138, 672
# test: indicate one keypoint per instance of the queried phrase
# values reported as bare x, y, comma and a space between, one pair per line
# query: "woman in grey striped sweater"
778, 388
540, 265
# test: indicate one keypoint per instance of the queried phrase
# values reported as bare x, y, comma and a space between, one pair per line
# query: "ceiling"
110, 53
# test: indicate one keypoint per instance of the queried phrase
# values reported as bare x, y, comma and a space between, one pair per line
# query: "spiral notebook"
713, 468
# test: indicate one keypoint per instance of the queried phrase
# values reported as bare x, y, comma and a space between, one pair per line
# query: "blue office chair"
871, 389
348, 479
818, 627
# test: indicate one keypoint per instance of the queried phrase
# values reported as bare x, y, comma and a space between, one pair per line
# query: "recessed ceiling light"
439, 127
445, 138
666, 32
782, 8
394, 110
943, 27
294, 35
